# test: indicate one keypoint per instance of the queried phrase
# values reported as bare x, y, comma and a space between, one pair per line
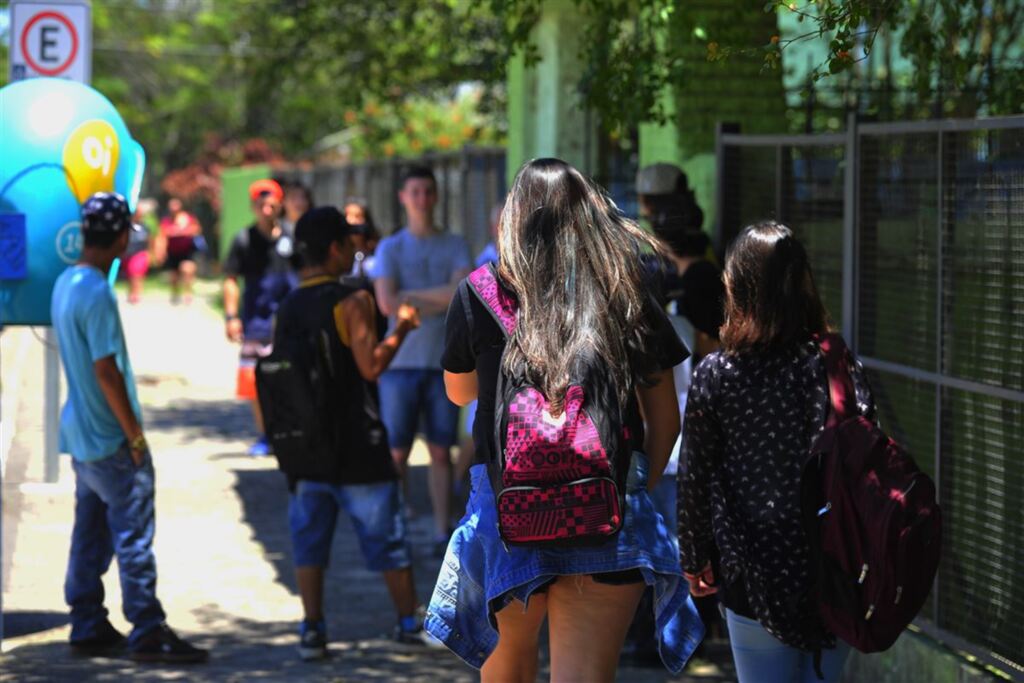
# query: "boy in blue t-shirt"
101, 426
421, 265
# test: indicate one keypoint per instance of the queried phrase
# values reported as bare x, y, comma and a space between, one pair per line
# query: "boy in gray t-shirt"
422, 266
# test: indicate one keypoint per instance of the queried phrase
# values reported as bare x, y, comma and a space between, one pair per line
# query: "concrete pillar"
546, 116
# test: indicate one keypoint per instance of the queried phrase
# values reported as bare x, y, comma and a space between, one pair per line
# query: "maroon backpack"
872, 520
557, 480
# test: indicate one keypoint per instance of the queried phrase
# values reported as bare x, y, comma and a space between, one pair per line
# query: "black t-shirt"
698, 293
266, 270
473, 341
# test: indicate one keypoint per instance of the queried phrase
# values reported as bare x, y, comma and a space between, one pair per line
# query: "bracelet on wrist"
138, 443
229, 317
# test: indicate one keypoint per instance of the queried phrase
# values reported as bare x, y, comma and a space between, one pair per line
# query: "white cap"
658, 179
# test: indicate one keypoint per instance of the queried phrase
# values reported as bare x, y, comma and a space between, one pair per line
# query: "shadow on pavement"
25, 623
264, 498
198, 420
243, 651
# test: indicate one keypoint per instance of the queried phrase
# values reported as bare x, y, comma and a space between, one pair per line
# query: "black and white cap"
107, 212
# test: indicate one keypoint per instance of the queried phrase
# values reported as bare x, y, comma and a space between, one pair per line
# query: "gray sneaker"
312, 641
419, 635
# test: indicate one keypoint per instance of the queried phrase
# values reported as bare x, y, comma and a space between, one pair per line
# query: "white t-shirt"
682, 374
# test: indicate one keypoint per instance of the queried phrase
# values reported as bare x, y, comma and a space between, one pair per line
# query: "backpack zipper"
893, 504
574, 481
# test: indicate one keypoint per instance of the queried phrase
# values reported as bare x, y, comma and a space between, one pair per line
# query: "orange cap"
265, 186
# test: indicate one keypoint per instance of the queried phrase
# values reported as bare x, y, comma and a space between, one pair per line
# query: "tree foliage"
191, 76
196, 78
968, 49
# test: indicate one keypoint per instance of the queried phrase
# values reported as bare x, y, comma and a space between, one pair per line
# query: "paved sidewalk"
223, 555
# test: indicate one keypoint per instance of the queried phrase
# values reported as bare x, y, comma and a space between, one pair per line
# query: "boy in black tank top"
364, 482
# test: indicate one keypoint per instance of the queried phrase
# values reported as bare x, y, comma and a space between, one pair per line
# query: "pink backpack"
872, 520
557, 480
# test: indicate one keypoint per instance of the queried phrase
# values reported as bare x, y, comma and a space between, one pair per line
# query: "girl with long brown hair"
572, 263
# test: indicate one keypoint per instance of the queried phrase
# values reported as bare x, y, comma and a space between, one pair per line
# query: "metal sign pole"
51, 407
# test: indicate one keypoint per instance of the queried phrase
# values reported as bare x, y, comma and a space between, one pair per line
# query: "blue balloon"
61, 141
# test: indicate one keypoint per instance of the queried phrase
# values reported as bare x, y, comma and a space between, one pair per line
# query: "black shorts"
620, 578
174, 261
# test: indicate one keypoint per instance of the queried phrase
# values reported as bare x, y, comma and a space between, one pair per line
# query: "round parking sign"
49, 43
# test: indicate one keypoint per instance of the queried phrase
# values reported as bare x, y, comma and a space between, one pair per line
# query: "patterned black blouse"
750, 420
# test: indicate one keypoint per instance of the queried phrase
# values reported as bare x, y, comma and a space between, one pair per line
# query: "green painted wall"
235, 211
737, 90
520, 135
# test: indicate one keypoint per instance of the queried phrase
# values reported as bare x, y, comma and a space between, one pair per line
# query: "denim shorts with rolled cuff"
376, 512
406, 396
480, 575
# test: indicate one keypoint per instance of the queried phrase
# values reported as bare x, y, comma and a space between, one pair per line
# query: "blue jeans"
113, 514
405, 395
376, 512
761, 657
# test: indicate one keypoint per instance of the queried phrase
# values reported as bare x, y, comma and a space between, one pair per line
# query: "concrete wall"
915, 657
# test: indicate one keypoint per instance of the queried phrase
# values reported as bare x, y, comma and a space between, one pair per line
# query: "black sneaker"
107, 642
163, 645
312, 640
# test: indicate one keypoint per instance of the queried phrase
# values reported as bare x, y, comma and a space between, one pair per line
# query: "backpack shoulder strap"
842, 397
495, 298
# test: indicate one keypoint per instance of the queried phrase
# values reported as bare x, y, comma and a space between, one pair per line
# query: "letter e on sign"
51, 39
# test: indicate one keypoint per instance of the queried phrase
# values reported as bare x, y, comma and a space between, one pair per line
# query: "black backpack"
296, 389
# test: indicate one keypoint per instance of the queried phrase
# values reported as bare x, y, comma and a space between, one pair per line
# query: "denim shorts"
480, 575
407, 394
376, 512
